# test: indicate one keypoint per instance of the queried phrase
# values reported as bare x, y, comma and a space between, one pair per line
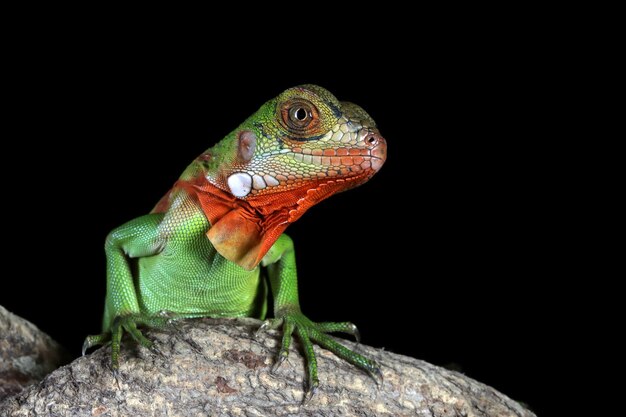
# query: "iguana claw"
95, 340
308, 395
377, 375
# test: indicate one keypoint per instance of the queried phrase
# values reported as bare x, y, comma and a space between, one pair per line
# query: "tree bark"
215, 367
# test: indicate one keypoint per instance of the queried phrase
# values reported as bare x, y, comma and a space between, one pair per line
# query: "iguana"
210, 245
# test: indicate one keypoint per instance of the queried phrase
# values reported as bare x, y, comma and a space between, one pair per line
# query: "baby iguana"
202, 249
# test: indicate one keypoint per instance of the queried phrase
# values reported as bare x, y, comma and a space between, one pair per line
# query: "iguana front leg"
135, 239
281, 266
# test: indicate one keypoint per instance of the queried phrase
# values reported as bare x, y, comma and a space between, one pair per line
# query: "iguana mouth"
353, 159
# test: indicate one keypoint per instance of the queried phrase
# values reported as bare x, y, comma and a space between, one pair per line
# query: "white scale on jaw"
241, 183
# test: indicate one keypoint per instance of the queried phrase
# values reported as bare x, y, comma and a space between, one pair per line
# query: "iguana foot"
309, 332
129, 324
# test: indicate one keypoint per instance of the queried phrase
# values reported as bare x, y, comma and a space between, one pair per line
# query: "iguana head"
295, 151
303, 138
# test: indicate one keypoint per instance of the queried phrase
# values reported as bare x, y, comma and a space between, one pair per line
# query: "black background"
441, 256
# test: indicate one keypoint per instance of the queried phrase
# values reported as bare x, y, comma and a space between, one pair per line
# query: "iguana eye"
299, 115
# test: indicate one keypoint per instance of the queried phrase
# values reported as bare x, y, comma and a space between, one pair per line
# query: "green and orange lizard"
208, 248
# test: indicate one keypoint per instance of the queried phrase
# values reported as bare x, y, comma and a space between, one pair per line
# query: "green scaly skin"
162, 266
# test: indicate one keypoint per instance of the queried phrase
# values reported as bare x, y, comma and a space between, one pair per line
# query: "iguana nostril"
373, 140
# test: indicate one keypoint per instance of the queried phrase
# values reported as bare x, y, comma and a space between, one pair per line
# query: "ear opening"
247, 145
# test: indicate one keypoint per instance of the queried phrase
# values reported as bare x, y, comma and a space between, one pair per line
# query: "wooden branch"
215, 367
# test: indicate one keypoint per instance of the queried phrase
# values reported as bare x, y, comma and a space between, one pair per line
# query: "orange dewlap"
243, 231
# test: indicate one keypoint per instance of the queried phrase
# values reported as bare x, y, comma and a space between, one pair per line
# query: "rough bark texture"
26, 354
214, 367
